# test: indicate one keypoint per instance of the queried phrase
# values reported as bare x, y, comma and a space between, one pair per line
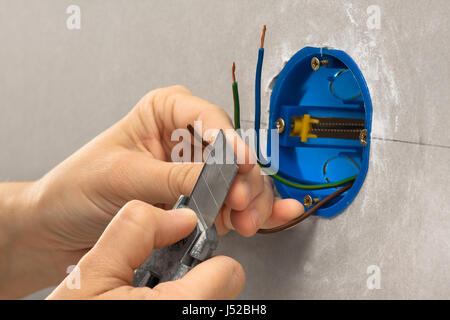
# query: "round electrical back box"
323, 102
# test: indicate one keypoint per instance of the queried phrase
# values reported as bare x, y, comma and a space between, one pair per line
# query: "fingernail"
255, 216
182, 211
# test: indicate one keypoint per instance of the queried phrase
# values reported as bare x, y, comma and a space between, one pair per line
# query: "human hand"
107, 270
74, 202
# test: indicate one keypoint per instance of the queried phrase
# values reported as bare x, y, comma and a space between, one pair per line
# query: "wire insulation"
197, 136
237, 111
258, 98
307, 214
237, 118
295, 221
348, 182
296, 184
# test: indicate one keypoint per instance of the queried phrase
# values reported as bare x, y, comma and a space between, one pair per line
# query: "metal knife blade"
214, 182
173, 262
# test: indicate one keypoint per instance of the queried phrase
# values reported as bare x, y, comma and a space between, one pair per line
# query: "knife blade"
206, 200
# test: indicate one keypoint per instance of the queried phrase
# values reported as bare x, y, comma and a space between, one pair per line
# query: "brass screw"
279, 125
307, 201
363, 137
316, 63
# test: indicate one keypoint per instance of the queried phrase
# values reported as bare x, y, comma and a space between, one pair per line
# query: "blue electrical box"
322, 108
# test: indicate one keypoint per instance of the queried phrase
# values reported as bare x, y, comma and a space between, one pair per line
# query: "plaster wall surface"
60, 88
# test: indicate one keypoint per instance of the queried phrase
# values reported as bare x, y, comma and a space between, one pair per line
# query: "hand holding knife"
206, 199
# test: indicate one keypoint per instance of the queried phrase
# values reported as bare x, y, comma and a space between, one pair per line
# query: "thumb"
217, 278
130, 237
166, 181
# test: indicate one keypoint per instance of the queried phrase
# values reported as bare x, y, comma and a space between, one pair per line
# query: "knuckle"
166, 92
218, 111
155, 97
150, 97
133, 209
178, 88
133, 205
136, 214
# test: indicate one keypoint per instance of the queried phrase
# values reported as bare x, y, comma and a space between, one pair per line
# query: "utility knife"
206, 199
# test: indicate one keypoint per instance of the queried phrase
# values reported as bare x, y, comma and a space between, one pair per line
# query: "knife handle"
173, 262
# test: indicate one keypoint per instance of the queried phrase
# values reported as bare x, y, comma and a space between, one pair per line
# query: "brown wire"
197, 136
300, 218
308, 213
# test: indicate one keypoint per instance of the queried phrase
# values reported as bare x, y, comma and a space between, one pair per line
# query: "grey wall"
60, 88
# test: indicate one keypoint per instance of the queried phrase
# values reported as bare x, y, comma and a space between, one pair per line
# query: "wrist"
23, 255
13, 207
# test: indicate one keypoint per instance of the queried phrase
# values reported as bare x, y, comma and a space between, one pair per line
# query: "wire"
289, 182
197, 136
237, 111
295, 221
298, 185
258, 89
263, 35
308, 213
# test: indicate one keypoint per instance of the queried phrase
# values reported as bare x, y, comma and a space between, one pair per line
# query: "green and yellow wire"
237, 112
277, 177
300, 186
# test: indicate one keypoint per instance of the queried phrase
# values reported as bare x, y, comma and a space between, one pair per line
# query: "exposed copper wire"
300, 218
233, 69
263, 35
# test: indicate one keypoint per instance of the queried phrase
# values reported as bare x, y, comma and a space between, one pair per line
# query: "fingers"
165, 181
283, 211
262, 211
217, 278
245, 194
175, 107
248, 221
223, 221
249, 201
130, 237
106, 271
246, 187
